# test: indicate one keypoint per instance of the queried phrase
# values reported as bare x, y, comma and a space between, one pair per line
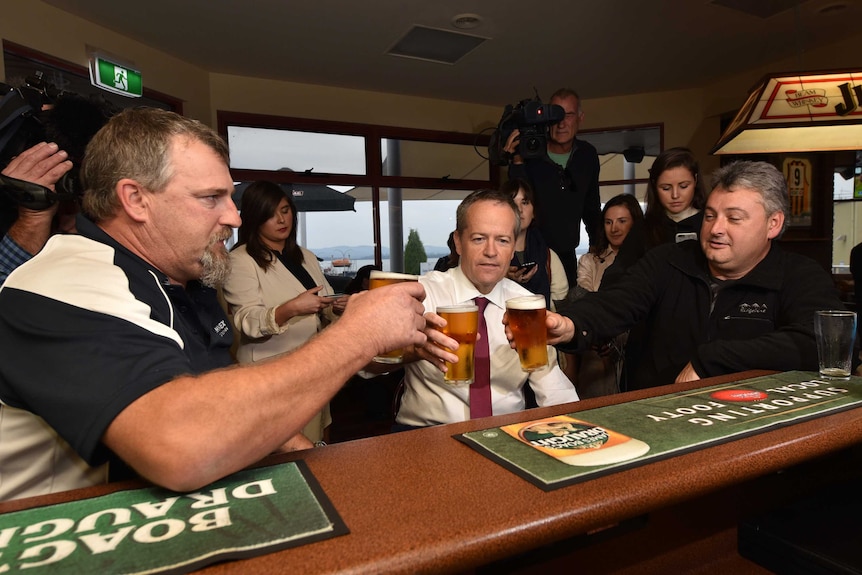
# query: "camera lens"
69, 184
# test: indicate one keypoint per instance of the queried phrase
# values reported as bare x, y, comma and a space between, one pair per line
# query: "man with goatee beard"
116, 349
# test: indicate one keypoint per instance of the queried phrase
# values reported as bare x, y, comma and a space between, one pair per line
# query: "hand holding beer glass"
379, 279
527, 321
462, 323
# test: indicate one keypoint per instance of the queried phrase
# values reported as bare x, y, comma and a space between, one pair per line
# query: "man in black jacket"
735, 302
565, 181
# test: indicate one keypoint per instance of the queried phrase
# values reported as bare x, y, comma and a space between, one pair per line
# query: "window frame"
374, 177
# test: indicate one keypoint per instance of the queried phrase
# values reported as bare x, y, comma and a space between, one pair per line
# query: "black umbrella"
308, 197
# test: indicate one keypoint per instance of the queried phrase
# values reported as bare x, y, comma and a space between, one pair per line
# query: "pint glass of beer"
527, 321
462, 322
379, 279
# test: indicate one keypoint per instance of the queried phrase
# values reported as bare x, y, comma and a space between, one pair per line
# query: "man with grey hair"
735, 302
116, 349
565, 182
487, 224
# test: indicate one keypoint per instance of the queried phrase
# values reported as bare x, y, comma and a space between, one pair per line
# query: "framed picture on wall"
799, 174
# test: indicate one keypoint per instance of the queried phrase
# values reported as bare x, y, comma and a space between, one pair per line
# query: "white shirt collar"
465, 291
686, 213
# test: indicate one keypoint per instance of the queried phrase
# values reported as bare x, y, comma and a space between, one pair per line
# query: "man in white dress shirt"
487, 225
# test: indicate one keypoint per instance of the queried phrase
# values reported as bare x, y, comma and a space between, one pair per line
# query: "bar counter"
423, 502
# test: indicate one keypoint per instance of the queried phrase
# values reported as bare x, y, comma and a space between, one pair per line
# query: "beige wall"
690, 117
56, 33
244, 94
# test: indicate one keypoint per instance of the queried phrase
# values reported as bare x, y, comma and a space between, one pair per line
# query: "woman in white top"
276, 292
600, 367
620, 214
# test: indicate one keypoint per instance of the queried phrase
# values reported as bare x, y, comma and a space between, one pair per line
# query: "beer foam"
457, 308
377, 274
526, 302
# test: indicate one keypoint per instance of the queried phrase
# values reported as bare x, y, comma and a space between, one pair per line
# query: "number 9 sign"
797, 172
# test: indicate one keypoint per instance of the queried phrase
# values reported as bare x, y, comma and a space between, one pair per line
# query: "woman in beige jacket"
276, 292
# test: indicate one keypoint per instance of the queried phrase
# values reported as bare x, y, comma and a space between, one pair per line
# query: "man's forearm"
32, 230
201, 428
211, 425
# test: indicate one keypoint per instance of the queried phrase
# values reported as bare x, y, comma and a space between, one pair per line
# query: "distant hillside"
367, 252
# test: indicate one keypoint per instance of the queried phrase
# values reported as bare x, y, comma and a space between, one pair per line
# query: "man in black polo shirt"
114, 343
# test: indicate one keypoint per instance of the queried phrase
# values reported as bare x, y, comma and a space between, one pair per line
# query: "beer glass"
462, 322
527, 322
379, 279
834, 331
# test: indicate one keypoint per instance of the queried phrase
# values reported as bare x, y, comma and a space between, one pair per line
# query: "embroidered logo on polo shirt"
221, 328
751, 308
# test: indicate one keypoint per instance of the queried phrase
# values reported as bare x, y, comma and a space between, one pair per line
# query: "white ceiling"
598, 47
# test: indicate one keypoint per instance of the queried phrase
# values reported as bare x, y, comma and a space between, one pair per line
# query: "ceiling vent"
433, 45
761, 8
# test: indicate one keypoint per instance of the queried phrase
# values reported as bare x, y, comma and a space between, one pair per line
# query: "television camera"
35, 112
533, 119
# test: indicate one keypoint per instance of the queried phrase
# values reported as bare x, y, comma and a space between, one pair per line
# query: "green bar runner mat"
153, 530
554, 452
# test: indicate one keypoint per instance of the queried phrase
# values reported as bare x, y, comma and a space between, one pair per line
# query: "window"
295, 151
625, 156
400, 179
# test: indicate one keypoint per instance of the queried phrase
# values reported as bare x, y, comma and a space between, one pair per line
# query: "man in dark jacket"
735, 302
565, 181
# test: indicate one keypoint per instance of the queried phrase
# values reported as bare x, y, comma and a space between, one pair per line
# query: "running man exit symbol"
115, 77
121, 79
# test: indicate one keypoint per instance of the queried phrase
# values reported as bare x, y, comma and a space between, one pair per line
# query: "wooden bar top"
423, 502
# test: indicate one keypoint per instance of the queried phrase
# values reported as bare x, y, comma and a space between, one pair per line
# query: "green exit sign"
115, 78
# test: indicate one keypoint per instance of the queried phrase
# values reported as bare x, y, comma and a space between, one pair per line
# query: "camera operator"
44, 136
41, 164
565, 181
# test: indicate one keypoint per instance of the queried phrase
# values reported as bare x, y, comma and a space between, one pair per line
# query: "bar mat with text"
563, 450
153, 530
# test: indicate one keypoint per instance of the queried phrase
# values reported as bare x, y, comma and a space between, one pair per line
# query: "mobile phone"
527, 265
333, 295
683, 236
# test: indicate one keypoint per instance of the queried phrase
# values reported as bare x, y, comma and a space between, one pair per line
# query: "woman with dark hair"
534, 265
601, 367
450, 261
620, 215
360, 280
675, 198
276, 291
